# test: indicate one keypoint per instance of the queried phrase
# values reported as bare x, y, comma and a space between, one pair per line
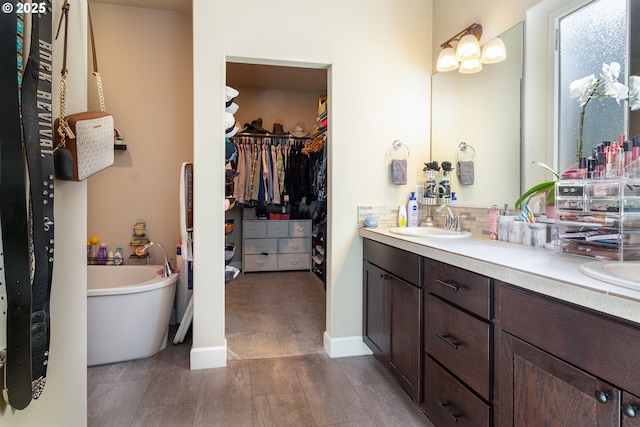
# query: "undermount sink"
429, 232
621, 273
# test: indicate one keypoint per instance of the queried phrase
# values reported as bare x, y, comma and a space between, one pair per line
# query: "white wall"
378, 55
145, 60
64, 400
288, 107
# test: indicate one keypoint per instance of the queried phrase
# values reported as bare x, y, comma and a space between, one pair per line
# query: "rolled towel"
465, 172
399, 171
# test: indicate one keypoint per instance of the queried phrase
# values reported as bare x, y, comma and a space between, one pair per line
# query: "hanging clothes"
268, 167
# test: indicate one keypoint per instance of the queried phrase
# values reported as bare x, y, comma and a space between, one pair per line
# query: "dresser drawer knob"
602, 396
448, 285
445, 407
630, 411
447, 339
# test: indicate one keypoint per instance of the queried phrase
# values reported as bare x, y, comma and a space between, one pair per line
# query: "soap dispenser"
412, 211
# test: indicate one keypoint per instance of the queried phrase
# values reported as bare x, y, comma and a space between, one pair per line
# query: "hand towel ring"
397, 151
463, 154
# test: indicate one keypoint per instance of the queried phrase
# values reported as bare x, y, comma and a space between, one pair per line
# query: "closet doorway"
272, 308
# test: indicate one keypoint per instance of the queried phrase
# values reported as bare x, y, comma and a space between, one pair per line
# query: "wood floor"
296, 391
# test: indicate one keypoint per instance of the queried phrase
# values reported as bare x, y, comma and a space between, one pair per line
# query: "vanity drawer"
459, 341
260, 246
463, 288
294, 261
260, 262
448, 402
294, 245
405, 265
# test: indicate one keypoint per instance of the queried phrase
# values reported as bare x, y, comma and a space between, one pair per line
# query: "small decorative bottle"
117, 257
444, 188
102, 254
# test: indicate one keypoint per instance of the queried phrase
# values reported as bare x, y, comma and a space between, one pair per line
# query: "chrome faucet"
449, 219
166, 267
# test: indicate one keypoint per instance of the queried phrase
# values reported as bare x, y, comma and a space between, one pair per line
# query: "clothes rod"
270, 135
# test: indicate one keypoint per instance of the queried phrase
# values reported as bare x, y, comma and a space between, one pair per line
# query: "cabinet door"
539, 389
405, 320
375, 326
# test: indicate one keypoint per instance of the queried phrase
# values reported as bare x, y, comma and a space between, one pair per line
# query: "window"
589, 36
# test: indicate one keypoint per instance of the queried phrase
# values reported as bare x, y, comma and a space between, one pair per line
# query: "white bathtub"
128, 312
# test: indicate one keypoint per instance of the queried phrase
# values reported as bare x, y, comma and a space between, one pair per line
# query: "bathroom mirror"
483, 110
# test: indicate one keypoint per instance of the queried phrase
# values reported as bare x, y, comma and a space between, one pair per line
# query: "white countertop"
537, 269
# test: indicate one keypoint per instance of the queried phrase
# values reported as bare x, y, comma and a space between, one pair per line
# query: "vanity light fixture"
468, 57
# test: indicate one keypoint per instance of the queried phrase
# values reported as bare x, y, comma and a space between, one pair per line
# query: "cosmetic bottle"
628, 153
635, 153
591, 167
619, 161
494, 213
402, 216
600, 162
93, 253
110, 258
102, 254
412, 211
582, 168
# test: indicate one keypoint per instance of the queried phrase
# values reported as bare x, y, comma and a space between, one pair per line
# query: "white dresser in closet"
271, 245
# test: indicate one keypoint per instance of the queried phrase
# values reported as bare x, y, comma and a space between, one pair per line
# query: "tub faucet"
166, 268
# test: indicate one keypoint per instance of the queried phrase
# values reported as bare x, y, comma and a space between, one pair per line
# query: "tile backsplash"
474, 219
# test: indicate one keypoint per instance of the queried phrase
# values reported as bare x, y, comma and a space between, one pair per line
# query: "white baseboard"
345, 346
208, 357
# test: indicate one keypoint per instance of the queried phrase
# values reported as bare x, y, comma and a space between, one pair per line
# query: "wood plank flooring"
310, 390
294, 391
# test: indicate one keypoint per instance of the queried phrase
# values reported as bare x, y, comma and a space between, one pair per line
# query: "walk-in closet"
276, 227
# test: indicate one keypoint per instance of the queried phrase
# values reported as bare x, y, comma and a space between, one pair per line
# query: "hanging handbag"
84, 141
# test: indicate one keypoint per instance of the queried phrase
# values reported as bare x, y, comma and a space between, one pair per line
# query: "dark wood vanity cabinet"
392, 312
563, 365
458, 346
475, 351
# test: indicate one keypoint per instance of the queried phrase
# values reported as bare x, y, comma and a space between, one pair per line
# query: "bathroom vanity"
500, 334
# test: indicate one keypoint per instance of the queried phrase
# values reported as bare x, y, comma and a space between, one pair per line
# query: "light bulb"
471, 66
468, 48
447, 60
493, 52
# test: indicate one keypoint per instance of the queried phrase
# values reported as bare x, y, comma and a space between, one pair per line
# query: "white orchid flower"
610, 72
634, 93
612, 87
582, 89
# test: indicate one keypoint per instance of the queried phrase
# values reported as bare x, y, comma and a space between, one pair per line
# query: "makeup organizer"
599, 217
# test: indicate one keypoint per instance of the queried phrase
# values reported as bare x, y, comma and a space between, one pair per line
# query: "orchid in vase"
604, 86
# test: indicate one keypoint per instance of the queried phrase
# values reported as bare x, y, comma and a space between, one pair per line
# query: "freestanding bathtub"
128, 312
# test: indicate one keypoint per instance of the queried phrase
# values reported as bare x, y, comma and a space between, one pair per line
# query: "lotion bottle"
412, 208
402, 216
